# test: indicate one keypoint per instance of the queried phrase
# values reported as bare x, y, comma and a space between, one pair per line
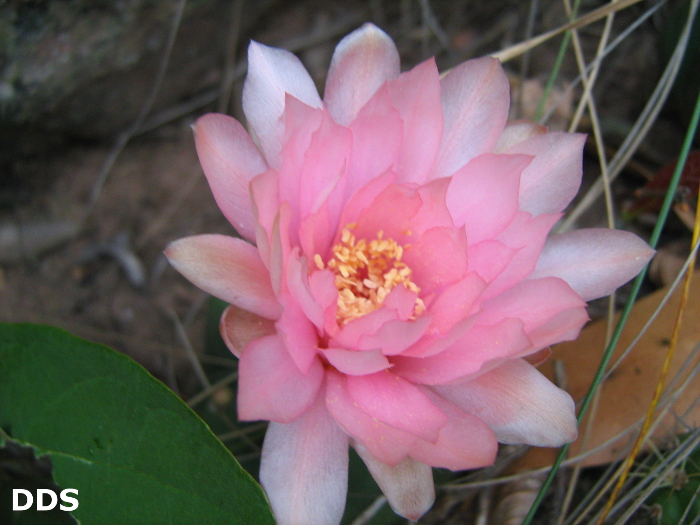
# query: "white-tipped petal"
408, 486
593, 261
228, 268
304, 469
475, 99
361, 63
230, 161
518, 403
553, 178
272, 73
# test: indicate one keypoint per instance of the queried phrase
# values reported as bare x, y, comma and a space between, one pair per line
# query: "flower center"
365, 273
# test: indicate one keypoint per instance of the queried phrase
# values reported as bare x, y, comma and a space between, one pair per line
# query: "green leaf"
135, 452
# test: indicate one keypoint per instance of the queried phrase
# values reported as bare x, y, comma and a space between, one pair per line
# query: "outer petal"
362, 62
272, 72
518, 403
408, 486
270, 386
230, 160
239, 327
304, 469
475, 100
553, 177
227, 268
594, 262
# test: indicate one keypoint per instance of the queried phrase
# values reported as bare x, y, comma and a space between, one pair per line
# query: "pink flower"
395, 273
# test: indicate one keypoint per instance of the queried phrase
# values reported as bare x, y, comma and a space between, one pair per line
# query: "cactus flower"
395, 276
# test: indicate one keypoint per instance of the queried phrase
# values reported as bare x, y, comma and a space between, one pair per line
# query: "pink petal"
349, 335
356, 363
324, 165
304, 469
361, 63
467, 356
396, 402
387, 443
297, 281
264, 191
483, 195
391, 212
408, 486
553, 177
525, 236
395, 336
376, 123
230, 160
364, 197
489, 259
416, 96
298, 333
316, 232
323, 290
271, 386
227, 268
239, 327
438, 258
535, 302
518, 403
475, 100
455, 303
465, 442
594, 262
272, 73
433, 213
516, 132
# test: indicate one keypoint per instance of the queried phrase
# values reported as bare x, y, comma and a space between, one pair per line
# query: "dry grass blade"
638, 132
597, 14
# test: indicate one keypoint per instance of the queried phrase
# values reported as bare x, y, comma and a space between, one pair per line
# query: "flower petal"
408, 486
475, 100
483, 195
387, 443
304, 469
517, 131
271, 386
356, 363
553, 177
397, 402
533, 301
518, 403
272, 73
595, 261
239, 327
298, 333
361, 63
416, 96
230, 160
378, 122
227, 268
467, 356
465, 442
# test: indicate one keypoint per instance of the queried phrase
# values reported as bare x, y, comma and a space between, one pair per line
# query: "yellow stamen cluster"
365, 273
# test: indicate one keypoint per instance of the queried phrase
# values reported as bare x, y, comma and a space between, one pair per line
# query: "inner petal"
366, 272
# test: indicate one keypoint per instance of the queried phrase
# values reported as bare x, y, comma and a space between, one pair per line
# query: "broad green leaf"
134, 451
